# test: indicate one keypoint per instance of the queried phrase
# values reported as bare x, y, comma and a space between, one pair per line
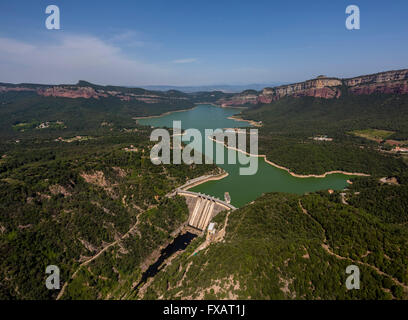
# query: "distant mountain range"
392, 82
227, 88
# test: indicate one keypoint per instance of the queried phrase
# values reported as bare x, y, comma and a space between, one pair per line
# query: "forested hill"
82, 107
297, 247
64, 201
76, 180
354, 133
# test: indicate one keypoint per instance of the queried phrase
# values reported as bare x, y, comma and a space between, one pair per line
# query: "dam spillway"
202, 208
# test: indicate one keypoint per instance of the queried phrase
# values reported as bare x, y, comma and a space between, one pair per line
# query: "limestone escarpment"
388, 76
322, 87
393, 82
88, 92
385, 82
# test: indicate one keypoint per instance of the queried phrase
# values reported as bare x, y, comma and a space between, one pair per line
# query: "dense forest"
79, 115
62, 202
290, 124
22, 111
75, 176
76, 179
114, 274
284, 246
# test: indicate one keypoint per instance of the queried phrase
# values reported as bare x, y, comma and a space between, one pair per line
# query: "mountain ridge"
394, 81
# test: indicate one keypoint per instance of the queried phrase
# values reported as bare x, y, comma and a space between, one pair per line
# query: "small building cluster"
400, 149
211, 231
322, 138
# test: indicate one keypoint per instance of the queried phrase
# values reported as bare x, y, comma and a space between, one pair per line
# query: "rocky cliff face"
87, 92
385, 82
71, 92
395, 82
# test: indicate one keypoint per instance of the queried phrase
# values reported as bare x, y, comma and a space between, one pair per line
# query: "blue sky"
199, 42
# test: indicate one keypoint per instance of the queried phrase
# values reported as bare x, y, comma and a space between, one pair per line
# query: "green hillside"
61, 203
81, 115
76, 183
290, 124
290, 247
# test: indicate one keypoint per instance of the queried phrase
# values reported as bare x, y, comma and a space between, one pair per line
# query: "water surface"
243, 189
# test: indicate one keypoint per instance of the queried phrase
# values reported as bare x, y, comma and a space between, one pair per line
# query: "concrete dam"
202, 208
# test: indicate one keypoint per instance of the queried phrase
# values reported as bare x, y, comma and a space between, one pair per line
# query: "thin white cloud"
125, 35
187, 60
128, 38
72, 58
69, 58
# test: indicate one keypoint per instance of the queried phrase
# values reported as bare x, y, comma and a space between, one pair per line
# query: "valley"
79, 191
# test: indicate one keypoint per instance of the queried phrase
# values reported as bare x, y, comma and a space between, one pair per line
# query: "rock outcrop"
384, 82
394, 82
89, 92
71, 92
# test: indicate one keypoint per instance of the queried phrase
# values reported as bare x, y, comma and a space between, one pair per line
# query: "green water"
243, 189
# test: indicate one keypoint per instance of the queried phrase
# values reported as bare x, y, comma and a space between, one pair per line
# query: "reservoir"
243, 189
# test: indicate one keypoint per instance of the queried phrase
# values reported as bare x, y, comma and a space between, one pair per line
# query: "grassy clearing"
22, 126
373, 134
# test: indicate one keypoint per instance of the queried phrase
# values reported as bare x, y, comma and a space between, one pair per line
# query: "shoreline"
163, 114
288, 170
195, 106
252, 122
203, 179
221, 105
256, 124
